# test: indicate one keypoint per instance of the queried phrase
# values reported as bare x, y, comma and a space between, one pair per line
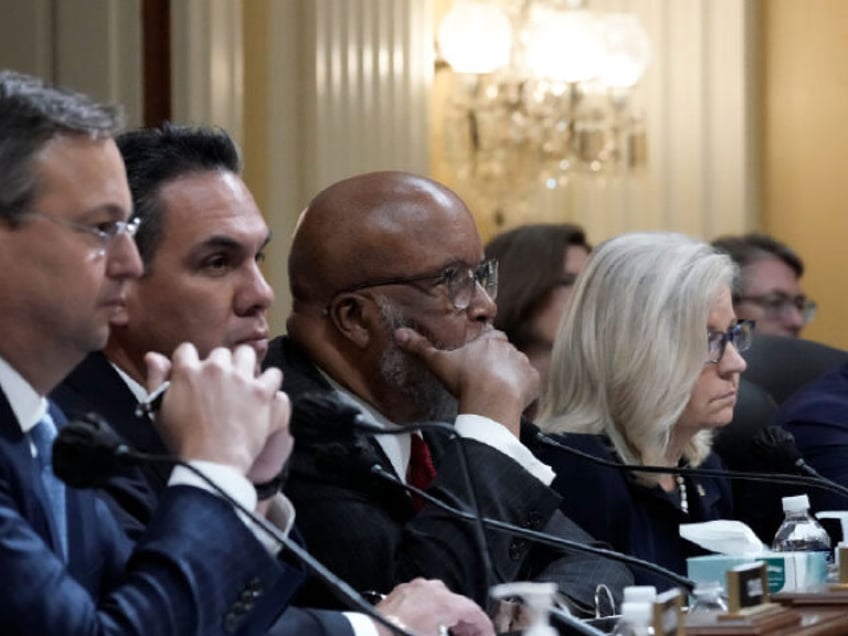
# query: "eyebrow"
229, 243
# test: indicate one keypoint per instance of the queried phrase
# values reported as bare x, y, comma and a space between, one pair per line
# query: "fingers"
413, 342
158, 369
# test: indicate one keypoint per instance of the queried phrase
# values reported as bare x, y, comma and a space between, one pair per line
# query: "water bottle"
709, 597
799, 531
636, 617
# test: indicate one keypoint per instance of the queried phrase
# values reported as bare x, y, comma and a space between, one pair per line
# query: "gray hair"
633, 343
31, 114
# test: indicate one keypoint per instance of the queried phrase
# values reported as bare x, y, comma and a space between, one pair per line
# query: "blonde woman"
645, 367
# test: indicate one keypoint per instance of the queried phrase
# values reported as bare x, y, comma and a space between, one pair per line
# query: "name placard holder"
747, 590
842, 557
668, 614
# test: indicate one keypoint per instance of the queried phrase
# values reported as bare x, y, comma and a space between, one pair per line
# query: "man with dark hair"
202, 238
768, 290
392, 316
537, 267
67, 256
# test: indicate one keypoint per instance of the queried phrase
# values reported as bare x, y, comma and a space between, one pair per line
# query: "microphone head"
87, 452
776, 446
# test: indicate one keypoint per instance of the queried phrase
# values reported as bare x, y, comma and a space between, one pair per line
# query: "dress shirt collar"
396, 447
134, 386
27, 405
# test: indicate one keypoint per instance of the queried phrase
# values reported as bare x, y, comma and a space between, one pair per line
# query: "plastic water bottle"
636, 617
799, 531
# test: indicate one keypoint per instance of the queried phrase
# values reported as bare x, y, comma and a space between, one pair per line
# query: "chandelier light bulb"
563, 45
627, 51
475, 37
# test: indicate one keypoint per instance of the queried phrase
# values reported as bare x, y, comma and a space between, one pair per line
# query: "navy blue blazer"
613, 507
133, 495
817, 415
171, 585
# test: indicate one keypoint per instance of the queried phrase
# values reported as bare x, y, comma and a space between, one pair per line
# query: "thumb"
158, 369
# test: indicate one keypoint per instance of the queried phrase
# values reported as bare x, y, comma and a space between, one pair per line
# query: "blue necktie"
42, 436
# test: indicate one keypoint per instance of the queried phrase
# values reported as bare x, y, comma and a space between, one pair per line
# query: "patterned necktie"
42, 436
421, 470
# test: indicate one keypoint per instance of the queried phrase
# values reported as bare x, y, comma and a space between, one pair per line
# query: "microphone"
87, 452
776, 446
90, 439
538, 537
814, 480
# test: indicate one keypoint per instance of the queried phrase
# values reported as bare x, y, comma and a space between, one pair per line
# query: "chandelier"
541, 90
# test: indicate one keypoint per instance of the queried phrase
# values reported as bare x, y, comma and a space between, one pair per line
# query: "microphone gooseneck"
814, 480
538, 537
91, 440
321, 416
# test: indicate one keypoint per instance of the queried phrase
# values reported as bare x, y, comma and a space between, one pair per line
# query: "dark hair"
156, 156
31, 114
749, 248
530, 260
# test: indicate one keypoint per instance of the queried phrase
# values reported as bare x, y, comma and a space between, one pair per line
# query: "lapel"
350, 460
94, 385
20, 471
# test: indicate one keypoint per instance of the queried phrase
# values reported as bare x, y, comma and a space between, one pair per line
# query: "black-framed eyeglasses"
105, 232
460, 280
739, 335
777, 306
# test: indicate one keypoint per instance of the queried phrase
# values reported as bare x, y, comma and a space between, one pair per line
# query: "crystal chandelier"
541, 90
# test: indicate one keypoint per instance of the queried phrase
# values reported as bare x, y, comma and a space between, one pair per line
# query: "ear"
353, 318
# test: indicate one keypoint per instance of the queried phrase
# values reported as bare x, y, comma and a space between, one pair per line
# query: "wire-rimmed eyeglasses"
777, 306
739, 335
106, 232
460, 280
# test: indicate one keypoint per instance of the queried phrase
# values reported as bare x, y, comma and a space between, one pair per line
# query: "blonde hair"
633, 343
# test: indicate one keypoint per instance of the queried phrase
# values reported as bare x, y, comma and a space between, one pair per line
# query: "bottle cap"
800, 503
645, 593
637, 612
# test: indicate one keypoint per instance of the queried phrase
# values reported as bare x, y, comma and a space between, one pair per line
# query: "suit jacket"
95, 386
172, 583
632, 517
368, 531
133, 495
817, 415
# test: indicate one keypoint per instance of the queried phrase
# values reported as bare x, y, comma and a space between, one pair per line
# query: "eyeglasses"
777, 306
106, 232
460, 280
739, 335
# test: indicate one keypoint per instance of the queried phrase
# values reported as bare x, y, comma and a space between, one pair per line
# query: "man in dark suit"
201, 239
67, 255
393, 310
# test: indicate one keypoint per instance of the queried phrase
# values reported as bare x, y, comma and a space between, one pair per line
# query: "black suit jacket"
632, 517
133, 496
368, 531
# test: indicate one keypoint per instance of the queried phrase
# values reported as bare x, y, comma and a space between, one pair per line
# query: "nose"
732, 361
482, 307
123, 260
792, 318
255, 295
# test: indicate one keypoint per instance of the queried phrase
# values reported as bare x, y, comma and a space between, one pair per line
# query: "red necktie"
421, 470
